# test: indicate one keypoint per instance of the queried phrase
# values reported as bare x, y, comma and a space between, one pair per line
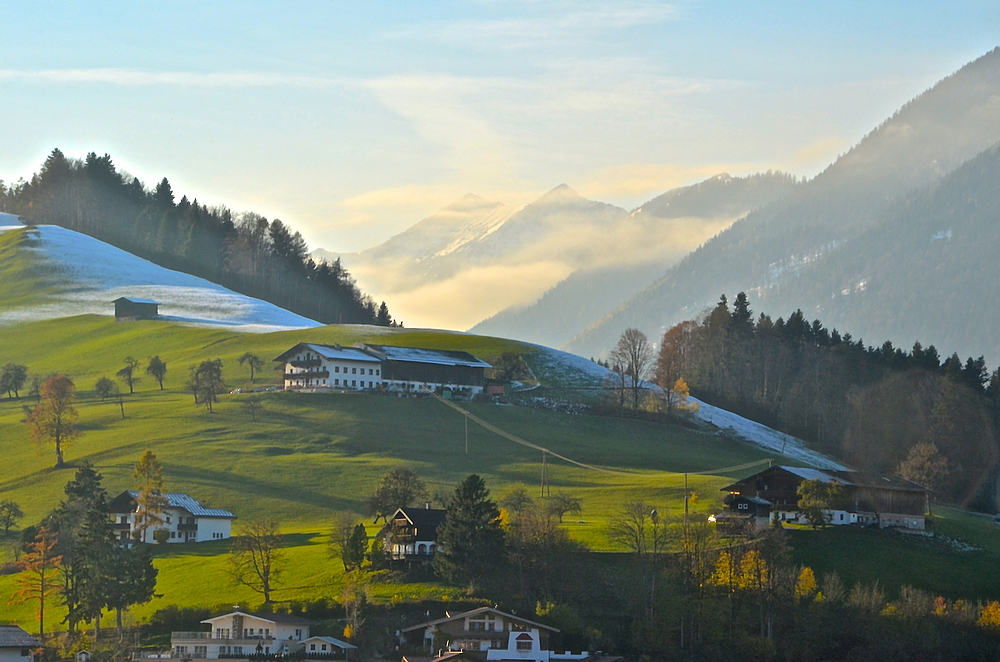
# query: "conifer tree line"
879, 408
244, 252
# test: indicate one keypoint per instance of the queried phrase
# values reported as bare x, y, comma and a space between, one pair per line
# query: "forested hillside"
929, 271
244, 252
880, 408
927, 138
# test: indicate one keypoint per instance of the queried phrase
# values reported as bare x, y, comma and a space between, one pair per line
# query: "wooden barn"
131, 308
868, 498
415, 369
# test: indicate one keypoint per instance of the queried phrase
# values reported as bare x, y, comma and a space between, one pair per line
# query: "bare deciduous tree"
256, 557
632, 357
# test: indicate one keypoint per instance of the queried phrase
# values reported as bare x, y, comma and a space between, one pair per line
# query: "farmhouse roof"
12, 636
136, 300
331, 352
421, 355
174, 500
286, 619
477, 612
848, 478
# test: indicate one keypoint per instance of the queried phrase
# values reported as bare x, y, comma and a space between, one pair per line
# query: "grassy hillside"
311, 456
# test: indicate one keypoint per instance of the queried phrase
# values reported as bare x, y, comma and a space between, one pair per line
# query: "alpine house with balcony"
240, 634
183, 518
309, 366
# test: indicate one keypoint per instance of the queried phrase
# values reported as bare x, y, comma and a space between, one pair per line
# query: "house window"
267, 632
312, 647
376, 371
168, 519
298, 634
336, 368
370, 371
524, 645
336, 382
354, 371
354, 382
201, 651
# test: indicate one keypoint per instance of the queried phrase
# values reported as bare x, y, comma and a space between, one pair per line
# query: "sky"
351, 121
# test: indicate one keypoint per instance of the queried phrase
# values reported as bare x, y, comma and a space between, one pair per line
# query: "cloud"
647, 180
133, 77
823, 151
569, 21
473, 295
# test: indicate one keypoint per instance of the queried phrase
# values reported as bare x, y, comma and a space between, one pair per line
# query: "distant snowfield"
727, 422
97, 273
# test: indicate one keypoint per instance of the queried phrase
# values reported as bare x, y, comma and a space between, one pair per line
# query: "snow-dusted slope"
91, 274
577, 370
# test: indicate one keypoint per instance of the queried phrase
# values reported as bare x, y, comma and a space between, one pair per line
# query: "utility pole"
466, 434
546, 489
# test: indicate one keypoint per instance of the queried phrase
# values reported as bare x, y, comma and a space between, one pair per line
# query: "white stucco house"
184, 519
330, 366
243, 633
16, 645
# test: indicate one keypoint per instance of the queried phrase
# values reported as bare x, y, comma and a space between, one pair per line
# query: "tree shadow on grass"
179, 474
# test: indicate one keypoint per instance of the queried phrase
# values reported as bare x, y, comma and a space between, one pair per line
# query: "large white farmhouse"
241, 633
184, 519
330, 366
407, 369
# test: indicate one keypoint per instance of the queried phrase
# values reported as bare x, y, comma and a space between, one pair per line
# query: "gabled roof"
477, 612
343, 645
285, 619
849, 478
432, 356
331, 352
12, 636
174, 500
136, 300
420, 517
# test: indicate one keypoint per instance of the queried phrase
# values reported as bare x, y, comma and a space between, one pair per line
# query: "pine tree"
471, 539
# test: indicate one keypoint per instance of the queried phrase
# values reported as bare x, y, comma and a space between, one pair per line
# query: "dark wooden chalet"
411, 533
131, 308
885, 500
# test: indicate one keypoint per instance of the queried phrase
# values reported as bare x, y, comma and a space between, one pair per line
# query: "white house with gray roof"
184, 519
311, 366
16, 645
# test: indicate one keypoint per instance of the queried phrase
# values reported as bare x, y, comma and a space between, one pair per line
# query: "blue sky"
353, 120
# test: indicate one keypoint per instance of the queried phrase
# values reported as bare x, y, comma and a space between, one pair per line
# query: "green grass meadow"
312, 456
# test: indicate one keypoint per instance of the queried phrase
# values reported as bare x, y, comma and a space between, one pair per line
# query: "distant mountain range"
894, 240
838, 213
475, 258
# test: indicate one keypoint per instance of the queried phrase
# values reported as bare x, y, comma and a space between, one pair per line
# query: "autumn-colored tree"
150, 502
53, 420
924, 465
38, 580
805, 585
816, 498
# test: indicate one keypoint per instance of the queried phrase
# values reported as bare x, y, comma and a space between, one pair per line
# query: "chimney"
427, 505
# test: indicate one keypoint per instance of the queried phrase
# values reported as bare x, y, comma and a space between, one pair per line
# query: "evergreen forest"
878, 408
242, 251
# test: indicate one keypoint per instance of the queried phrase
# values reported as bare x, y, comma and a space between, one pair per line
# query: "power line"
545, 451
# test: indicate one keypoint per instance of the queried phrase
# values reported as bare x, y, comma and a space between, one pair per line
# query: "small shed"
132, 308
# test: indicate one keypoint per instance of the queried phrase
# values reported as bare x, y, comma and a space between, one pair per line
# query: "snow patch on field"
95, 273
765, 437
576, 371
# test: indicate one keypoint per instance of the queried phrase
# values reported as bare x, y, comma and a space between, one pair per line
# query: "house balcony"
308, 374
311, 363
121, 526
187, 527
250, 640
